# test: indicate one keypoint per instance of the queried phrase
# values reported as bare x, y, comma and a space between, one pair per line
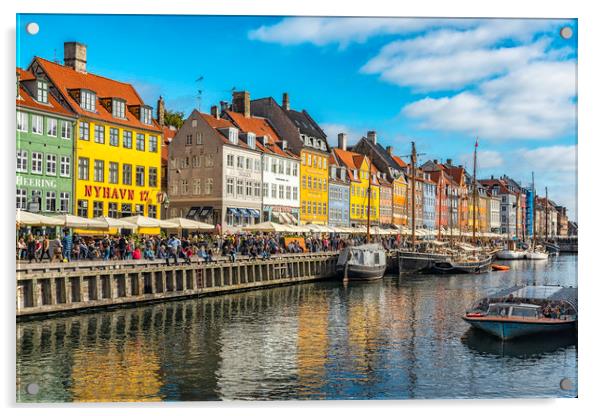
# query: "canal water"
398, 338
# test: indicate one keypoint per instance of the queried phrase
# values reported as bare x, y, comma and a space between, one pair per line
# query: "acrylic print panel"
274, 208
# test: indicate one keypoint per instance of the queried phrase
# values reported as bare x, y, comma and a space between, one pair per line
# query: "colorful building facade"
338, 198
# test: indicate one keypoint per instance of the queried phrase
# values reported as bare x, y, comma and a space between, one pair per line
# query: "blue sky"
439, 82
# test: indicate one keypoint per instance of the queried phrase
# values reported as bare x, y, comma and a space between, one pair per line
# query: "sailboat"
536, 252
366, 261
511, 251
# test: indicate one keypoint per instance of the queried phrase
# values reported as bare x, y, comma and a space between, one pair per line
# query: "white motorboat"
510, 254
536, 255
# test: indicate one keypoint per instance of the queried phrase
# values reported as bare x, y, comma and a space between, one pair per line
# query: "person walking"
172, 249
67, 245
31, 248
57, 250
45, 249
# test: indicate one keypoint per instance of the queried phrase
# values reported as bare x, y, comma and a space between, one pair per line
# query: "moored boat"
525, 310
464, 265
536, 255
510, 254
364, 262
500, 267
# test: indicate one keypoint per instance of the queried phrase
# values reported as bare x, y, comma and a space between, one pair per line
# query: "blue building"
338, 195
428, 202
529, 212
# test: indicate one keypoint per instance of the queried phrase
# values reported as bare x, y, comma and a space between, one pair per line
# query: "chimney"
342, 141
286, 104
436, 162
223, 105
449, 161
75, 56
161, 111
372, 136
390, 150
241, 103
214, 112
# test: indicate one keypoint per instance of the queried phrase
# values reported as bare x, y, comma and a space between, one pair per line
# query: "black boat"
364, 262
451, 266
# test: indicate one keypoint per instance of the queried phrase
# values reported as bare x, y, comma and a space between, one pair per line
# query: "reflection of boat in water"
520, 347
364, 262
525, 310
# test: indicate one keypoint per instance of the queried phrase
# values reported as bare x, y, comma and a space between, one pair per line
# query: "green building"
45, 131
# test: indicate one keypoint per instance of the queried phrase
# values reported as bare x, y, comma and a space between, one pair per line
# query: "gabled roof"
26, 100
306, 124
501, 184
261, 127
66, 79
399, 162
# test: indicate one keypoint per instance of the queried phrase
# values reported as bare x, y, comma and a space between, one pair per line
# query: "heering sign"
36, 182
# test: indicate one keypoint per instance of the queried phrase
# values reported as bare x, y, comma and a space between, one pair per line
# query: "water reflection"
397, 338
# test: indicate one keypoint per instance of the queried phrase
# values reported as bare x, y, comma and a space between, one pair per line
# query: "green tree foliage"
174, 118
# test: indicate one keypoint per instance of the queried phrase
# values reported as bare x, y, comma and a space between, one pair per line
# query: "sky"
438, 82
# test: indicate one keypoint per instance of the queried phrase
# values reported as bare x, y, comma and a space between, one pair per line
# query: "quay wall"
46, 289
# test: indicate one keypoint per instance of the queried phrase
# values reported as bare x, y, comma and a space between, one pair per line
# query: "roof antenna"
56, 60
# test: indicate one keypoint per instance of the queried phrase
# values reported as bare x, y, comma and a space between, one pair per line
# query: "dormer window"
233, 135
118, 108
251, 140
42, 87
88, 100
145, 115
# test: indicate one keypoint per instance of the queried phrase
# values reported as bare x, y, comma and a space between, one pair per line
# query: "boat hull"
510, 255
536, 256
357, 272
506, 330
450, 267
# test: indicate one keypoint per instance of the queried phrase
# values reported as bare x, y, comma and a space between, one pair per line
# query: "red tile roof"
66, 78
168, 135
400, 161
25, 99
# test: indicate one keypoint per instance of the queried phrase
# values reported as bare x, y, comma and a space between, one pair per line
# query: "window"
280, 166
126, 210
99, 134
288, 167
199, 138
88, 100
145, 115
99, 170
249, 188
195, 123
288, 192
295, 193
22, 120
196, 186
36, 196
239, 187
230, 186
257, 165
50, 164
257, 189
127, 139
184, 186
36, 162
51, 201
152, 177
152, 211
209, 161
118, 108
265, 190
152, 144
295, 169
230, 160
126, 173
51, 127
140, 141
274, 191
209, 186
21, 198
42, 91
21, 160
189, 140
64, 201
113, 172
233, 135
83, 168
37, 124
66, 129
240, 162
281, 191
97, 208
303, 182
82, 208
114, 137
174, 187
112, 210
303, 158
274, 165
84, 130
139, 175
196, 161
248, 164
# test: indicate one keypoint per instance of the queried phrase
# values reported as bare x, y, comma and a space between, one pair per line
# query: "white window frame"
51, 127
22, 121
65, 170
118, 108
50, 164
22, 158
37, 160
37, 124
64, 198
88, 100
42, 91
66, 130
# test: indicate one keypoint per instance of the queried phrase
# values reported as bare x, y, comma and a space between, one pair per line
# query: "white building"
495, 223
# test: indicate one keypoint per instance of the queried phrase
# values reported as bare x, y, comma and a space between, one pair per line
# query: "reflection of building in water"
128, 372
312, 339
258, 342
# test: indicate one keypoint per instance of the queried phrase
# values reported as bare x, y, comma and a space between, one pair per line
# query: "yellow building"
314, 187
361, 172
117, 154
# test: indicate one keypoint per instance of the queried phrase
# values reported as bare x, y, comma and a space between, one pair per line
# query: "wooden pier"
50, 288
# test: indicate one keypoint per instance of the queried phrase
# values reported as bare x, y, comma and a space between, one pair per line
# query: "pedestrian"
67, 245
45, 249
31, 248
57, 250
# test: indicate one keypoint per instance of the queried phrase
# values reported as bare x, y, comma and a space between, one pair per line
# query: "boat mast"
369, 198
439, 189
474, 193
534, 209
413, 169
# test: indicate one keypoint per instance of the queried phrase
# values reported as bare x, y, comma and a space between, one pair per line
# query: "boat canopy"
552, 293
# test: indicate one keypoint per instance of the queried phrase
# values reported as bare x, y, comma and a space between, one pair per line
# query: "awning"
291, 217
234, 211
192, 212
205, 212
255, 213
245, 212
283, 218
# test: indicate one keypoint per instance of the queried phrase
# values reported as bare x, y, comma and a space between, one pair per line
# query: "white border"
590, 34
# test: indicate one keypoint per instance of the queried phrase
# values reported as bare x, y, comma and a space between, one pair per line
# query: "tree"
174, 118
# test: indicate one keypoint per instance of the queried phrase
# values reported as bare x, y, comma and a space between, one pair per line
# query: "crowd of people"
74, 247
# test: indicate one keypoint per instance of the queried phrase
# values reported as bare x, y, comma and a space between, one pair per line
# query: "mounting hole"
566, 384
32, 388
32, 28
566, 32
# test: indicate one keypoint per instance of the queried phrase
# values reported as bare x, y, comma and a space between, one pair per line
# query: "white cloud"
532, 102
332, 131
321, 31
487, 159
